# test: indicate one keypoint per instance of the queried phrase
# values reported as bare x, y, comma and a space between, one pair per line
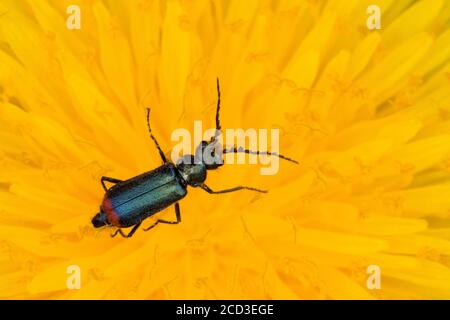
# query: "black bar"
225, 309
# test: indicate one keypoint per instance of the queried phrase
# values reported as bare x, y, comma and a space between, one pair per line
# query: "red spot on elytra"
111, 214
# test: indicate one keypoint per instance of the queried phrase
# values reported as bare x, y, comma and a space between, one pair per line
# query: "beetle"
128, 202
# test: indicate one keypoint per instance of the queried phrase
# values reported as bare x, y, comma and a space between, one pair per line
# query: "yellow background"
367, 114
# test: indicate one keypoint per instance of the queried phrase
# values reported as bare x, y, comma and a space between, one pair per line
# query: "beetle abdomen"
129, 202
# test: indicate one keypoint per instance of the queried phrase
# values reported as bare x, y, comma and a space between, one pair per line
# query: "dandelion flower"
366, 112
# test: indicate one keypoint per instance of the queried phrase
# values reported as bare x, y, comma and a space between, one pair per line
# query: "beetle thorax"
193, 173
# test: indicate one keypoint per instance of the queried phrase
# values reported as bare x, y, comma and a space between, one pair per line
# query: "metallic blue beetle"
127, 203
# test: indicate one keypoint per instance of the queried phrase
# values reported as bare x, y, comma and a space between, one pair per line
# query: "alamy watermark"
374, 279
73, 281
73, 21
231, 146
374, 19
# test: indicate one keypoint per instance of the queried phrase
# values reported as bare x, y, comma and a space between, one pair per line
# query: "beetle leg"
119, 231
108, 179
177, 213
207, 189
133, 230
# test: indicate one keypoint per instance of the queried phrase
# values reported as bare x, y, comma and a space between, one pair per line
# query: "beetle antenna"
163, 157
218, 128
268, 153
